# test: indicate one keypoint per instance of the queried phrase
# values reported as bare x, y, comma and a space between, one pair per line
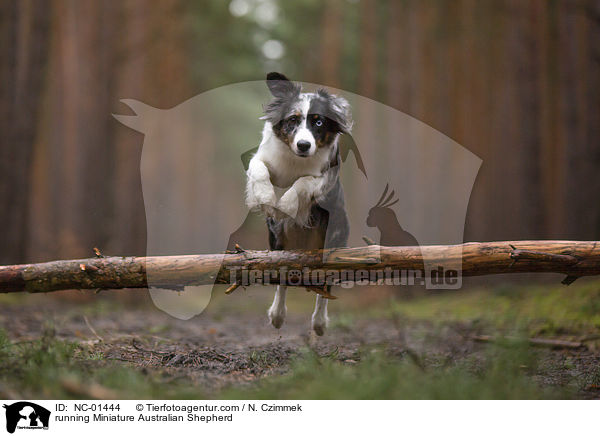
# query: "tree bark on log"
573, 258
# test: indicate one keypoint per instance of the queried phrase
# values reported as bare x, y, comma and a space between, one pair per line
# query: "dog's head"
305, 122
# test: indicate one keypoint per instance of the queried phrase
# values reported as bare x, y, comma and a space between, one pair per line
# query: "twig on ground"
88, 390
118, 358
87, 322
540, 342
414, 356
160, 353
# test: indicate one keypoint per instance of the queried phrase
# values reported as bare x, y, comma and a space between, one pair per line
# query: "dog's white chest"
285, 167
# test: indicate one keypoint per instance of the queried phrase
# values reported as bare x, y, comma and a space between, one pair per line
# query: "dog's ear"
342, 114
281, 86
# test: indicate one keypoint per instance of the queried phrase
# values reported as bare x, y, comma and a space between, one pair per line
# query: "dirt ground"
232, 343
213, 349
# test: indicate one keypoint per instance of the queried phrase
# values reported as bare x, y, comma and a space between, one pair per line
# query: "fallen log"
572, 258
537, 342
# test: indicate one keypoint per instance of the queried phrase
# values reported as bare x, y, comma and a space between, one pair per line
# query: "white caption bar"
298, 417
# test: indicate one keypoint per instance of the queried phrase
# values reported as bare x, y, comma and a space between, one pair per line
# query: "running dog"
294, 179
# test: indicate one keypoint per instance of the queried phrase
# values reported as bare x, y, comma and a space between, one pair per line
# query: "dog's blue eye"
318, 123
293, 119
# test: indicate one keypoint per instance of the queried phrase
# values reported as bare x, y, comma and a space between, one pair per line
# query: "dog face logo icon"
26, 415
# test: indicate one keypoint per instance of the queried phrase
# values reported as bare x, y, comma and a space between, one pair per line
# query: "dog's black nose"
303, 146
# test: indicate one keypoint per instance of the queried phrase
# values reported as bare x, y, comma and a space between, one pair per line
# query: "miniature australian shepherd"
294, 179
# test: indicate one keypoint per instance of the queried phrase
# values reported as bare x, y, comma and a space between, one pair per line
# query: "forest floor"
113, 345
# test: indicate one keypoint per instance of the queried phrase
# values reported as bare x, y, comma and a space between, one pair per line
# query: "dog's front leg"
278, 310
319, 317
297, 200
259, 189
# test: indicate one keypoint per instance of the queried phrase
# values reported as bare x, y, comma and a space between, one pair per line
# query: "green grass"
539, 309
47, 367
39, 368
503, 375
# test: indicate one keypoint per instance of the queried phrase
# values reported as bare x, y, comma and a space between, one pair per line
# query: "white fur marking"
319, 316
278, 309
259, 190
303, 134
275, 165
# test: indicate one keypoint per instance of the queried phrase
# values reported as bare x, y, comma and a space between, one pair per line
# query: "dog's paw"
269, 211
262, 199
319, 325
265, 196
276, 316
288, 203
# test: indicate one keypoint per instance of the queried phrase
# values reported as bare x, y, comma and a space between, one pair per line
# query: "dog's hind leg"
278, 310
319, 316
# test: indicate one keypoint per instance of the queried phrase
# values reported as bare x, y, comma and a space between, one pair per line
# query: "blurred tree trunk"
331, 49
72, 174
86, 166
579, 103
367, 81
471, 100
24, 34
127, 226
368, 49
517, 83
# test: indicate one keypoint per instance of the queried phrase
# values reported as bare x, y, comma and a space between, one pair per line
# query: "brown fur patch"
286, 128
326, 140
